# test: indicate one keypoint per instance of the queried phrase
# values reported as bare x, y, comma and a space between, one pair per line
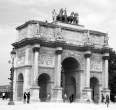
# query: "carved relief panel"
72, 37
46, 60
47, 57
98, 41
47, 33
22, 33
20, 57
96, 62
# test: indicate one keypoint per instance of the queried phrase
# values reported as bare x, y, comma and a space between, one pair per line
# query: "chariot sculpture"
62, 16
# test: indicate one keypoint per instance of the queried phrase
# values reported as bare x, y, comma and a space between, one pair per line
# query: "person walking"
102, 98
65, 97
3, 95
24, 97
48, 97
28, 97
71, 98
107, 100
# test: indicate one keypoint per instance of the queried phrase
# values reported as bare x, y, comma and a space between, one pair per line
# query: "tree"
112, 73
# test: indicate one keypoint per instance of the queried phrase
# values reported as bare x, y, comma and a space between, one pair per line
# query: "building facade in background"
5, 89
60, 58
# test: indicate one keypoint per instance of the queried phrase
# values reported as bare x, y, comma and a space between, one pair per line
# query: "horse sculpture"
62, 16
59, 16
76, 18
70, 18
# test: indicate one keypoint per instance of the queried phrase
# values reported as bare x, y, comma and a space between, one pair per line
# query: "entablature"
57, 43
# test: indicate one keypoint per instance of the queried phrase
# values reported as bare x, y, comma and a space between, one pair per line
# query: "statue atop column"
62, 16
54, 14
106, 40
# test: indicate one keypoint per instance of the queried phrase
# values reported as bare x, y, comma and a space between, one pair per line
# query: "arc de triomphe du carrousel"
60, 58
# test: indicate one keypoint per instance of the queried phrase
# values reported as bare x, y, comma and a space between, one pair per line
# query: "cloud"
94, 14
7, 36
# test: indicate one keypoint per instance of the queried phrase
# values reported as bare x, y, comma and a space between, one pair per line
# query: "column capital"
105, 49
36, 48
87, 54
106, 56
59, 50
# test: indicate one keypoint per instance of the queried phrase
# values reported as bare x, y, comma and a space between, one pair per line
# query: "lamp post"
13, 54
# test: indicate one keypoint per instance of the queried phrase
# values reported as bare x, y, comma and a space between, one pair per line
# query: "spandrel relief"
96, 63
46, 60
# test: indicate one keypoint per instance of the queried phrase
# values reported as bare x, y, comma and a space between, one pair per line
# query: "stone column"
35, 87
87, 90
26, 74
57, 91
105, 74
87, 56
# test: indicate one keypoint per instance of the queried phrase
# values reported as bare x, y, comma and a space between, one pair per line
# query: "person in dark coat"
28, 97
24, 97
71, 98
102, 98
107, 100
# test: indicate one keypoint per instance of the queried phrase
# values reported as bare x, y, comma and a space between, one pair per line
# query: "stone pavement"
55, 106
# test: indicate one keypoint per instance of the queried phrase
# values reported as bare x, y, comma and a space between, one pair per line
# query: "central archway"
43, 83
70, 67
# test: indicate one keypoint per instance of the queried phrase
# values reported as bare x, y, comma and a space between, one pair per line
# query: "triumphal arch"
61, 57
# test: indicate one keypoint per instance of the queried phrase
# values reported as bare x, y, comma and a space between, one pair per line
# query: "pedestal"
105, 92
86, 95
57, 95
35, 94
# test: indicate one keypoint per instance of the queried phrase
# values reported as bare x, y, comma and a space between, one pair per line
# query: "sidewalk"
55, 106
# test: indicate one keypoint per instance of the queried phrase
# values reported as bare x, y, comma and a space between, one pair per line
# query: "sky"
94, 14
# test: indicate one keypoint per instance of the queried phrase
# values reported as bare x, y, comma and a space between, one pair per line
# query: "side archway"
43, 83
94, 85
20, 82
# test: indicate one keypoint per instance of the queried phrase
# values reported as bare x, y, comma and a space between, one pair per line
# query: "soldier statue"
59, 16
54, 14
70, 18
65, 15
76, 18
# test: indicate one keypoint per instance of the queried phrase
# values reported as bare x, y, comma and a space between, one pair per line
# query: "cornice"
54, 44
23, 66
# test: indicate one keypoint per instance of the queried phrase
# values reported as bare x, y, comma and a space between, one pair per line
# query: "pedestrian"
48, 97
107, 100
24, 97
3, 95
71, 98
28, 97
102, 98
65, 97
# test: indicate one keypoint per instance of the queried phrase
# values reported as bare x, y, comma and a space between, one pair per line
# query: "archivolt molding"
76, 55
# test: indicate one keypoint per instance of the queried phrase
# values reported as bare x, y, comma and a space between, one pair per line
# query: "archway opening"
94, 85
20, 86
43, 83
69, 73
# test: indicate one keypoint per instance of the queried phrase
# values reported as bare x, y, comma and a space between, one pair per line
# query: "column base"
86, 95
11, 103
57, 95
35, 94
